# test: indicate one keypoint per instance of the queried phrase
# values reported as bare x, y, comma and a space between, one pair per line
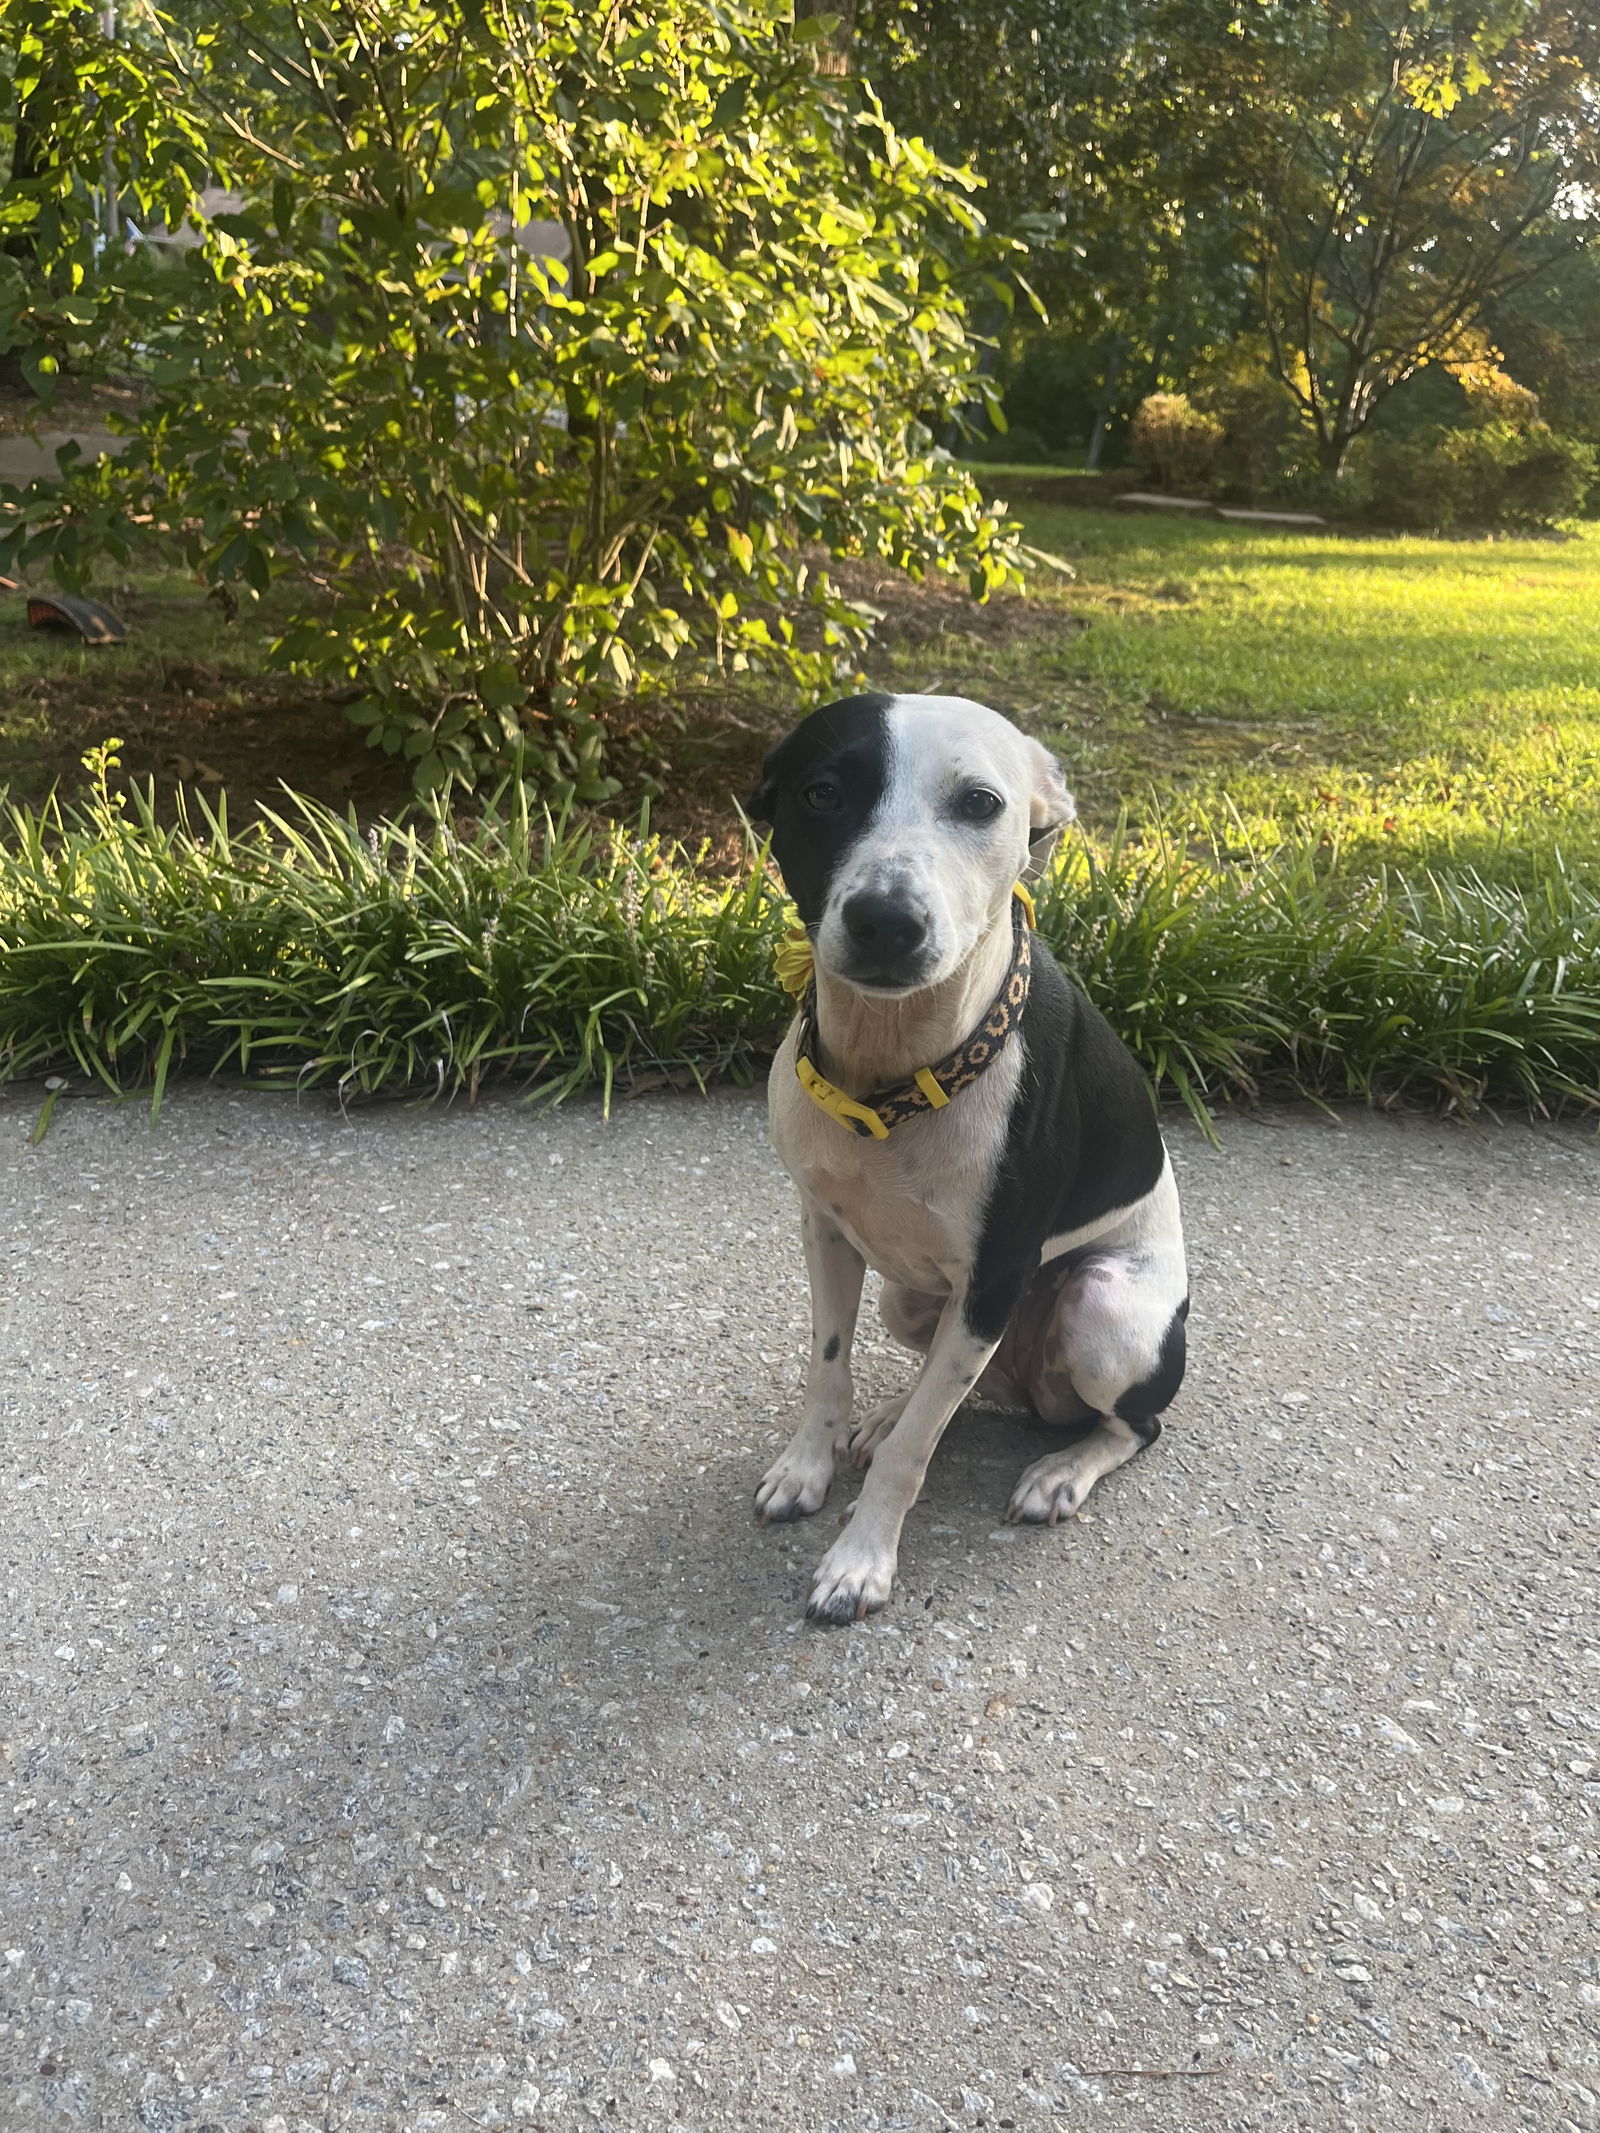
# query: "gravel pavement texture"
405, 1725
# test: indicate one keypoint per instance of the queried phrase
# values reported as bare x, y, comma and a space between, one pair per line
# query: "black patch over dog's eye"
979, 805
822, 796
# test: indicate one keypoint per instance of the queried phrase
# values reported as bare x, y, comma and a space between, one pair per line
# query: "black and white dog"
957, 1115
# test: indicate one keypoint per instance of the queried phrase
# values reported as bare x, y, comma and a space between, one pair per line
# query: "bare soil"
187, 699
209, 723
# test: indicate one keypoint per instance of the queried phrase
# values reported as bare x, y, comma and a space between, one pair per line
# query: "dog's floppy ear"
1050, 807
761, 805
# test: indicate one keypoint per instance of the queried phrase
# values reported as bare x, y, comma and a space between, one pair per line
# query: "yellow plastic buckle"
1026, 901
835, 1102
924, 1080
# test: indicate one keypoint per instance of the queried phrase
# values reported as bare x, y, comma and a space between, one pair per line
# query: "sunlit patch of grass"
1427, 701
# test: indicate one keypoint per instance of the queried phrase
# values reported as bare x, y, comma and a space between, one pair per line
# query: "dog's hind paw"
794, 1486
852, 1582
1047, 1493
1054, 1488
870, 1432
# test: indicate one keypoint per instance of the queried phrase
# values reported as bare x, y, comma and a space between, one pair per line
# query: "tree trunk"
837, 55
1101, 427
1334, 448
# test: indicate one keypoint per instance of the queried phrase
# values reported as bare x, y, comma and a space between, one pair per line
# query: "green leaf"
40, 372
501, 686
47, 1111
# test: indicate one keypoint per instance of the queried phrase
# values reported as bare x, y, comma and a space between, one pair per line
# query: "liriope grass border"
434, 959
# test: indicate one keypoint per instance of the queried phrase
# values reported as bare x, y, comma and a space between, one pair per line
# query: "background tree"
1358, 190
1065, 110
1549, 334
1399, 171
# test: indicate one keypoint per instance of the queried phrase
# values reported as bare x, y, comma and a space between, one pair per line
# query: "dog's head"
900, 824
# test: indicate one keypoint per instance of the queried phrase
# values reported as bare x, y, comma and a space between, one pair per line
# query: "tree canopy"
563, 342
1364, 189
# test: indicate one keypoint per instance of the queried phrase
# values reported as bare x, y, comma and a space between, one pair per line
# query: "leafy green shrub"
437, 957
1054, 381
1258, 420
556, 339
1499, 475
75, 105
1174, 442
1302, 483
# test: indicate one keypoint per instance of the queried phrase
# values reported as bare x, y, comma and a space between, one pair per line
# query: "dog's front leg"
854, 1577
796, 1484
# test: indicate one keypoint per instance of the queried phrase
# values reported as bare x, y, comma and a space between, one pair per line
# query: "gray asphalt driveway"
405, 1726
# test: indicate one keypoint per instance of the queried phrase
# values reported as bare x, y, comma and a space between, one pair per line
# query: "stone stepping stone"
1271, 518
1145, 500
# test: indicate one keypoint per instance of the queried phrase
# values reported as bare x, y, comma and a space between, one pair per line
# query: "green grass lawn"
1425, 700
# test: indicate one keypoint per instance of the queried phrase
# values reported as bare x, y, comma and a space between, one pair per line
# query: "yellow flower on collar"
794, 961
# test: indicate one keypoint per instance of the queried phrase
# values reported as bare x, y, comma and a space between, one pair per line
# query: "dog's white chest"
907, 1240
911, 1205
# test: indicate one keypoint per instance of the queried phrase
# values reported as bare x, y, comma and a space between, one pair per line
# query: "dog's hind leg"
873, 1427
1113, 1347
796, 1483
1055, 1487
910, 1316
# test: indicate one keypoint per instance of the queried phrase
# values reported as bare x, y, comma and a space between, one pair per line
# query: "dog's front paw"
794, 1485
853, 1581
1050, 1490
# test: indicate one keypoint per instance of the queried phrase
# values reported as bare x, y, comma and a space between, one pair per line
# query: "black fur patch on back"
1082, 1139
848, 743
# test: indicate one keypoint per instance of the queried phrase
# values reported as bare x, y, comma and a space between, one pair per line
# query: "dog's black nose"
883, 924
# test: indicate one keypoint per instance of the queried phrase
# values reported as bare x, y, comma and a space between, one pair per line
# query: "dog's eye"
979, 805
822, 796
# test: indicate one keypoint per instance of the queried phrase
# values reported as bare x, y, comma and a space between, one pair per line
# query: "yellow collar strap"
931, 1087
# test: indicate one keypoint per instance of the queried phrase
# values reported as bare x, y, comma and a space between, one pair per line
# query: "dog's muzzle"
888, 942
